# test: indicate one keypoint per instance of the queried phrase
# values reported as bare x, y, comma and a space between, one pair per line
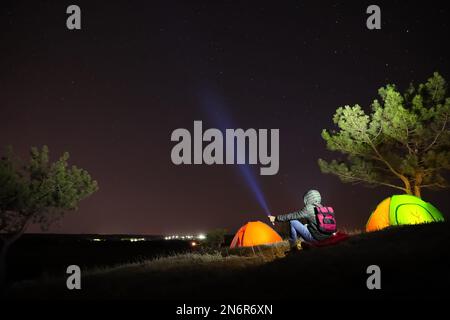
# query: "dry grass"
180, 262
177, 263
266, 252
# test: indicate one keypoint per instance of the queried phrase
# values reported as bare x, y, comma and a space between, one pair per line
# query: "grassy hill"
414, 262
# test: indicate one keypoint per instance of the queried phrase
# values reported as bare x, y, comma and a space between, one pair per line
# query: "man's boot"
295, 246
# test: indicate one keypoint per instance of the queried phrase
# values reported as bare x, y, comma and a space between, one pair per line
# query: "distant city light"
201, 236
193, 243
133, 239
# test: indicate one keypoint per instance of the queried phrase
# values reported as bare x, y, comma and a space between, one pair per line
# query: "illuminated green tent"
402, 209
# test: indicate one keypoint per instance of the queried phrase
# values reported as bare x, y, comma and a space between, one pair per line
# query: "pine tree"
37, 192
403, 143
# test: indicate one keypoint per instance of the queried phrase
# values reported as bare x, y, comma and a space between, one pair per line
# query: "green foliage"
404, 142
214, 239
39, 191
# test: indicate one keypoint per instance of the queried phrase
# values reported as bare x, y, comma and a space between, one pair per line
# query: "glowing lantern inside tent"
400, 210
254, 234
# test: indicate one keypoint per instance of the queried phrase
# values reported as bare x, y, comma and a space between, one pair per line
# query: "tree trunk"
417, 191
417, 183
408, 189
407, 183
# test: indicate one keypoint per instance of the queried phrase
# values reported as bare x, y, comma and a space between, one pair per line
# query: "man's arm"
296, 215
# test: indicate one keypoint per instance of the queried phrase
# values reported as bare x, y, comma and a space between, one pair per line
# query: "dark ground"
36, 255
414, 262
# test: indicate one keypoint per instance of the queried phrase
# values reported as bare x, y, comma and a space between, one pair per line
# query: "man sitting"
319, 223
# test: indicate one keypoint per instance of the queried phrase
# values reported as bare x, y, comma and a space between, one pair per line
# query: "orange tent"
380, 217
254, 234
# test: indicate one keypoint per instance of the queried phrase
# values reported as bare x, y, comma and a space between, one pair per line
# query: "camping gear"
325, 220
400, 210
334, 239
255, 233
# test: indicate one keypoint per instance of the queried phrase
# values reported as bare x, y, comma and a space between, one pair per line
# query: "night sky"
112, 93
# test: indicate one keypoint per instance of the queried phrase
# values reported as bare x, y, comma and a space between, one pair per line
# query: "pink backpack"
325, 219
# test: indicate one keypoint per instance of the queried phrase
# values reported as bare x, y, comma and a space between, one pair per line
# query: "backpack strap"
322, 209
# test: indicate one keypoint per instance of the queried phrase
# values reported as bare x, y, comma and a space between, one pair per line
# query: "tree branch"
16, 235
436, 184
381, 158
438, 134
370, 181
407, 142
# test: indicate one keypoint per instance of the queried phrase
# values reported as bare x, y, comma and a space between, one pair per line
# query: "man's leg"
293, 234
299, 229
